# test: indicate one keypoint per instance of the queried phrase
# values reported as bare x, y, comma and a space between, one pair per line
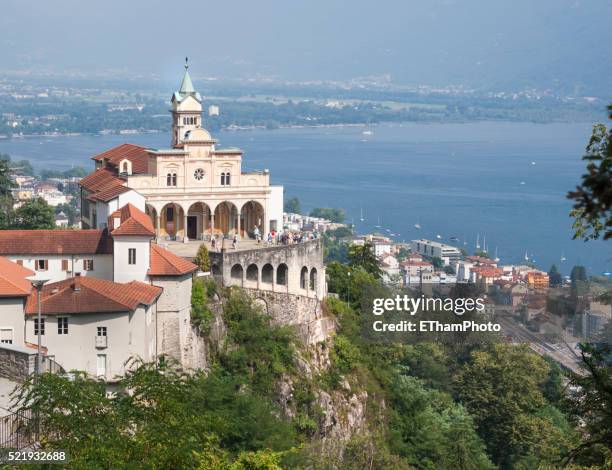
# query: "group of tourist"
273, 238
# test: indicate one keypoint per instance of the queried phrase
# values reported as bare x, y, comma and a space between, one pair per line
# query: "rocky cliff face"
333, 416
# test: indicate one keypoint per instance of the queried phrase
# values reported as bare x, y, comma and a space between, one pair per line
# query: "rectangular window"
88, 265
102, 331
101, 363
42, 264
64, 265
42, 326
6, 335
62, 325
132, 256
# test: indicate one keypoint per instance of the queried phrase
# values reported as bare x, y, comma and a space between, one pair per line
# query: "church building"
191, 190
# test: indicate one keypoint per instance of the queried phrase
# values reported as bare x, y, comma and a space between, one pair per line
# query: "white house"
111, 293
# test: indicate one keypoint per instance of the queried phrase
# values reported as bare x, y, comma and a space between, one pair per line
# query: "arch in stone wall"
215, 269
313, 278
237, 274
282, 274
267, 273
261, 303
304, 278
252, 272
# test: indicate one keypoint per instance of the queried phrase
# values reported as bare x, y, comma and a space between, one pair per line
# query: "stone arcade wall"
290, 269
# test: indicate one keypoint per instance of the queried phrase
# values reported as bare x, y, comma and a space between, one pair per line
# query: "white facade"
59, 267
11, 320
127, 335
448, 253
131, 258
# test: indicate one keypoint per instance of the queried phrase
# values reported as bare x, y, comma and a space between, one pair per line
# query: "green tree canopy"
593, 197
334, 215
34, 215
293, 205
202, 259
363, 256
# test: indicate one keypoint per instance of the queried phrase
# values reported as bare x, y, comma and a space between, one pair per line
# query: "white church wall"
275, 207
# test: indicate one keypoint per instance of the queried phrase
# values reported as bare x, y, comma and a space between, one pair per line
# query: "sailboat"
478, 241
361, 219
526, 256
563, 258
439, 237
484, 244
417, 225
496, 259
378, 226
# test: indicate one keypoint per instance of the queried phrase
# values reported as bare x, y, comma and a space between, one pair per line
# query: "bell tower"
186, 109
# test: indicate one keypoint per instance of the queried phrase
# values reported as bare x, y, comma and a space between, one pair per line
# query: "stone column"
239, 227
157, 228
212, 223
185, 237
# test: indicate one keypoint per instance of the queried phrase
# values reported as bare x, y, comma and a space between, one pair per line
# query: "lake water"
455, 180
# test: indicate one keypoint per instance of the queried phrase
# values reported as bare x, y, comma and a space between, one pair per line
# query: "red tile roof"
109, 193
46, 242
13, 282
133, 222
165, 263
101, 179
139, 156
91, 295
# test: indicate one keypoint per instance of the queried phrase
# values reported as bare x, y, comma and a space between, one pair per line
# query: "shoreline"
232, 128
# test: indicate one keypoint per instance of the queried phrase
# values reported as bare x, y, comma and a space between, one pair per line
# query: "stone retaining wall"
16, 363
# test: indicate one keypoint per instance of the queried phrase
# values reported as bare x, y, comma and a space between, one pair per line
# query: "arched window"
313, 279
184, 121
171, 179
227, 179
222, 179
304, 278
125, 167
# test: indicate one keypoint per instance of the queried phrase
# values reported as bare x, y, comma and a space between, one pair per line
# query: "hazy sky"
490, 43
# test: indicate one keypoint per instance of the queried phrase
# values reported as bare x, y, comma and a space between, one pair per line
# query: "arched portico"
226, 218
171, 221
251, 216
198, 221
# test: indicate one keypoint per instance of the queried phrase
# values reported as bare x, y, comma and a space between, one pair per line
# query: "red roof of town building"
481, 260
13, 282
132, 222
109, 193
101, 179
137, 155
44, 242
165, 263
486, 271
92, 295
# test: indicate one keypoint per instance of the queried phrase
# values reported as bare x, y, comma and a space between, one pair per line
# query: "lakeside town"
174, 271
524, 288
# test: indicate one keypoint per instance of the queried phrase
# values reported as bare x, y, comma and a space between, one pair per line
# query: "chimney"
76, 285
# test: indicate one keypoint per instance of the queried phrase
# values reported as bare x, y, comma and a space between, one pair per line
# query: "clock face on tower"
198, 174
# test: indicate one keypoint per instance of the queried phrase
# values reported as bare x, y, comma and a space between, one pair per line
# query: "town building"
191, 190
447, 253
110, 294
